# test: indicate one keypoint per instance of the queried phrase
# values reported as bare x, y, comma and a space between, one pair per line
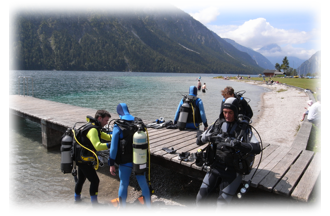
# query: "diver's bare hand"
113, 170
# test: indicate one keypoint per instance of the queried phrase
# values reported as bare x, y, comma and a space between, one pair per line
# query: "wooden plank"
175, 144
301, 139
289, 181
160, 137
171, 156
267, 164
269, 182
160, 133
307, 182
170, 141
265, 153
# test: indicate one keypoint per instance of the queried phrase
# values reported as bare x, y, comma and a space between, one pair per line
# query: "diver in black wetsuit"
229, 161
243, 106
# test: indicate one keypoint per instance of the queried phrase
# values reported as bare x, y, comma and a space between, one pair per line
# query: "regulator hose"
97, 160
149, 182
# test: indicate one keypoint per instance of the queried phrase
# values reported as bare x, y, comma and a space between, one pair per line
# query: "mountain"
312, 65
261, 60
271, 48
148, 40
269, 52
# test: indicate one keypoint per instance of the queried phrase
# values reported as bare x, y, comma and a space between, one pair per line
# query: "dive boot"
96, 204
77, 198
146, 211
116, 205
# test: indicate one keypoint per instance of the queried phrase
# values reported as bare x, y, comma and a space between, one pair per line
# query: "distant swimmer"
204, 88
199, 85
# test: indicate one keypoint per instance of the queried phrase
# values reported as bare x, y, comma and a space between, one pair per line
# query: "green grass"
312, 84
314, 142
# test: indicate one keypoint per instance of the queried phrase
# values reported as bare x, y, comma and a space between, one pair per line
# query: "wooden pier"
290, 171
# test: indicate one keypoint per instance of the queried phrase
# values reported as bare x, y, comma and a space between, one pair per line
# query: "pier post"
50, 136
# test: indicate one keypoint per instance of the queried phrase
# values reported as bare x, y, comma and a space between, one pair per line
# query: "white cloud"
206, 15
258, 32
289, 50
318, 18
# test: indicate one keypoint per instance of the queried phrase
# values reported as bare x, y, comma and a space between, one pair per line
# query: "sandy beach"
281, 111
277, 122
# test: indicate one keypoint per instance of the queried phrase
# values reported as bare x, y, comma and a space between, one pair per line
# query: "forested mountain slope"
149, 40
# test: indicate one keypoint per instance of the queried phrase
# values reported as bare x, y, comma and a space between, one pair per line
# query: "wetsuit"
225, 169
200, 114
91, 139
222, 174
125, 162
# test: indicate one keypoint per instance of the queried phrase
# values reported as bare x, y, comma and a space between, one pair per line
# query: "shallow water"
35, 176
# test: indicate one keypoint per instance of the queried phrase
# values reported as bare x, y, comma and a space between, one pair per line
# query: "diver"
190, 112
244, 108
90, 138
229, 159
121, 152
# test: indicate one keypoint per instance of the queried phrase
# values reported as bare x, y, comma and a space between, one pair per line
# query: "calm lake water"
35, 176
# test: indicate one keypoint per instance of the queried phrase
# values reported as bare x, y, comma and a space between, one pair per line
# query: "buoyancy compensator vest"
189, 112
87, 154
76, 147
125, 145
230, 157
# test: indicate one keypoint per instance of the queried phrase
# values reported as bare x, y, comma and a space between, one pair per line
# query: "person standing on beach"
194, 117
314, 113
244, 107
121, 152
90, 138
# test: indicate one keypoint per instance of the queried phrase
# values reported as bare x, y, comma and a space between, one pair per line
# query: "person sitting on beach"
229, 138
309, 103
244, 107
314, 113
196, 114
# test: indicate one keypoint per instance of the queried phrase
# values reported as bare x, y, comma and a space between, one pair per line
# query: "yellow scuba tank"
184, 111
140, 150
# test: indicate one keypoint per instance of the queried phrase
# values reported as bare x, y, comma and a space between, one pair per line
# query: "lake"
35, 176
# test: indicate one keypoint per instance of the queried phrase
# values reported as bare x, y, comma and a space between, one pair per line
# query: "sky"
293, 25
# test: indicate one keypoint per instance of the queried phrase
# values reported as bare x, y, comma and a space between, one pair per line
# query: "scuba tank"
184, 111
66, 156
140, 150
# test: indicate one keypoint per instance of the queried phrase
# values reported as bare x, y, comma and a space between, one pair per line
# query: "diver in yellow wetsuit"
90, 138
